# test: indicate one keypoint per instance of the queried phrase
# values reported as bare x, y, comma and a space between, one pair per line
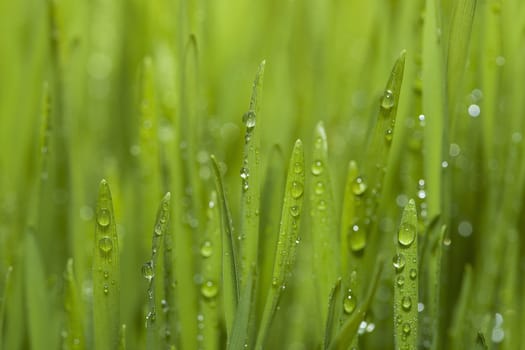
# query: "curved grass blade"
42, 323
210, 248
106, 273
406, 295
287, 240
324, 234
150, 269
348, 330
229, 255
250, 170
75, 311
7, 284
334, 310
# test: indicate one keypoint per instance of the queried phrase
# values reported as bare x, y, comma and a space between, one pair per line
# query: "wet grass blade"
76, 339
150, 269
106, 273
240, 337
322, 211
169, 304
349, 328
42, 323
406, 290
211, 258
287, 240
250, 173
229, 254
334, 312
461, 325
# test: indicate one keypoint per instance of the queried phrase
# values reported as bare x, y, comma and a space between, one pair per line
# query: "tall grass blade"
7, 284
461, 322
240, 334
287, 240
334, 312
150, 269
322, 211
106, 273
406, 295
229, 255
76, 339
211, 259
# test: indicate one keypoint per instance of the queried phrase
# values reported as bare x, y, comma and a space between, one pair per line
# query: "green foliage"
375, 102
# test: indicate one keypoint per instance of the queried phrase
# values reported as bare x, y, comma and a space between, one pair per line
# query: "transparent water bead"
297, 189
349, 302
249, 120
206, 249
294, 211
147, 270
209, 289
103, 217
359, 186
406, 303
317, 167
398, 262
406, 234
387, 101
105, 244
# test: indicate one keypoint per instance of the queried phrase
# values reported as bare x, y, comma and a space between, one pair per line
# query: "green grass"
287, 201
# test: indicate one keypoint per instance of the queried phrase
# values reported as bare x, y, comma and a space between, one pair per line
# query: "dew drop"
105, 244
298, 167
319, 188
209, 289
158, 230
400, 280
297, 189
317, 167
147, 270
245, 173
249, 120
357, 238
349, 302
413, 274
406, 234
106, 289
206, 249
294, 211
106, 274
387, 101
406, 328
103, 217
389, 134
406, 303
399, 262
321, 205
359, 186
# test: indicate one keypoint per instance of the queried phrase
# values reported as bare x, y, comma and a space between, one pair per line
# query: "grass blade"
210, 248
229, 256
75, 312
240, 338
324, 238
287, 240
348, 330
334, 309
7, 284
406, 294
106, 273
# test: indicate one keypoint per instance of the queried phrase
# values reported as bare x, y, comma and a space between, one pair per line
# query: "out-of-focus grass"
142, 93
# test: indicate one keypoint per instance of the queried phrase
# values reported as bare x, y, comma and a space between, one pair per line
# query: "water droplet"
474, 111
106, 274
359, 186
389, 134
209, 289
317, 167
249, 120
298, 167
103, 217
245, 173
294, 211
406, 328
147, 270
387, 101
400, 280
105, 244
297, 189
321, 205
465, 228
245, 185
406, 303
106, 289
357, 238
158, 230
319, 188
206, 249
399, 262
413, 274
349, 302
406, 234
